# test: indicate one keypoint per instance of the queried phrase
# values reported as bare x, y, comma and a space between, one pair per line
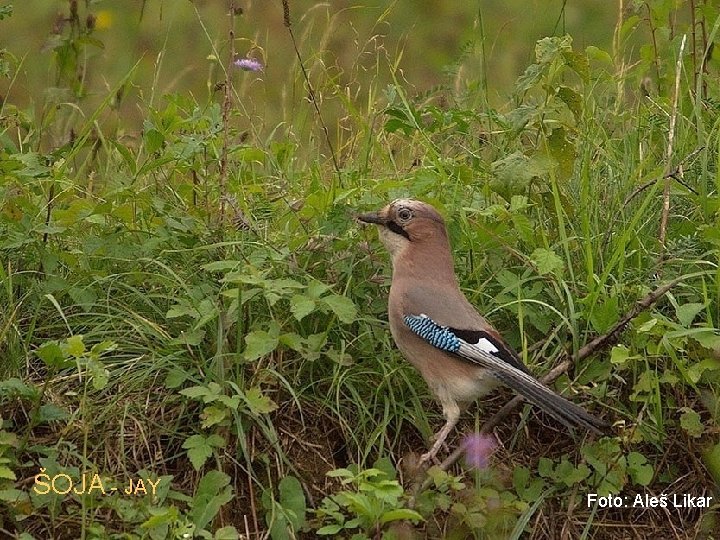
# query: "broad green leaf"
594, 53
198, 455
75, 346
547, 261
98, 373
212, 415
605, 314
342, 306
292, 340
292, 498
329, 529
200, 448
301, 306
640, 470
548, 49
226, 533
690, 421
524, 228
259, 343
212, 493
696, 370
13, 496
619, 354
175, 378
401, 514
686, 313
708, 338
195, 392
258, 402
578, 62
8, 439
7, 473
316, 289
562, 151
52, 355
518, 203
711, 458
647, 326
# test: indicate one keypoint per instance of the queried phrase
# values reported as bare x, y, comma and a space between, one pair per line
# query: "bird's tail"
448, 340
564, 411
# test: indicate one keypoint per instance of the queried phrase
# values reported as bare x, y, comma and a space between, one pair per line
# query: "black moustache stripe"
397, 229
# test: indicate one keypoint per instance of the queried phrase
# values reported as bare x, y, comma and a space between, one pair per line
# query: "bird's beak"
372, 217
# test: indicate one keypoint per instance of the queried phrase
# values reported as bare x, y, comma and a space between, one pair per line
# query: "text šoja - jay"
459, 354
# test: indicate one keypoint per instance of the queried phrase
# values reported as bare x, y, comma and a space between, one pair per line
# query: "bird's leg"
452, 415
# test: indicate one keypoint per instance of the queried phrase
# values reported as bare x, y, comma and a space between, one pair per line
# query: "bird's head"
406, 223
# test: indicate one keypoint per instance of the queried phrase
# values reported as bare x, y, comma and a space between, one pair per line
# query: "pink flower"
248, 64
478, 449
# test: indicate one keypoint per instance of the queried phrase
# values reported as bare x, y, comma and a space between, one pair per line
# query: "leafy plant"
371, 501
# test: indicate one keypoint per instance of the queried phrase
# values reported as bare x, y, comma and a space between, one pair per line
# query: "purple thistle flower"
248, 64
478, 449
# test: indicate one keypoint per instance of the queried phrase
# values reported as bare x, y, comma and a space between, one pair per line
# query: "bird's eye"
404, 215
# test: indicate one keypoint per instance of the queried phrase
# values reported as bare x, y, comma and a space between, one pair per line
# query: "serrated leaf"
342, 306
690, 422
258, 402
212, 415
548, 49
524, 228
301, 306
7, 473
216, 440
545, 467
547, 261
518, 203
198, 455
259, 343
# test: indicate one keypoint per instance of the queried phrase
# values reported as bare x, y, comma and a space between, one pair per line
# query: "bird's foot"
428, 457
431, 455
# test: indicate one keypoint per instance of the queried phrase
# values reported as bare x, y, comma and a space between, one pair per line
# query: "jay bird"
458, 353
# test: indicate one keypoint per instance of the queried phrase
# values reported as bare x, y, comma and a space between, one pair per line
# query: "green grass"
193, 301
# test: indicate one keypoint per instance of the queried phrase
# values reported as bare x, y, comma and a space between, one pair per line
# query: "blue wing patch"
438, 336
450, 339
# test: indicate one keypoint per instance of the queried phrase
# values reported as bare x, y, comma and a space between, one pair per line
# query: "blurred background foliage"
354, 45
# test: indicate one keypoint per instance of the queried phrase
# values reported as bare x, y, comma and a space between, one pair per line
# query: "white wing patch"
486, 345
